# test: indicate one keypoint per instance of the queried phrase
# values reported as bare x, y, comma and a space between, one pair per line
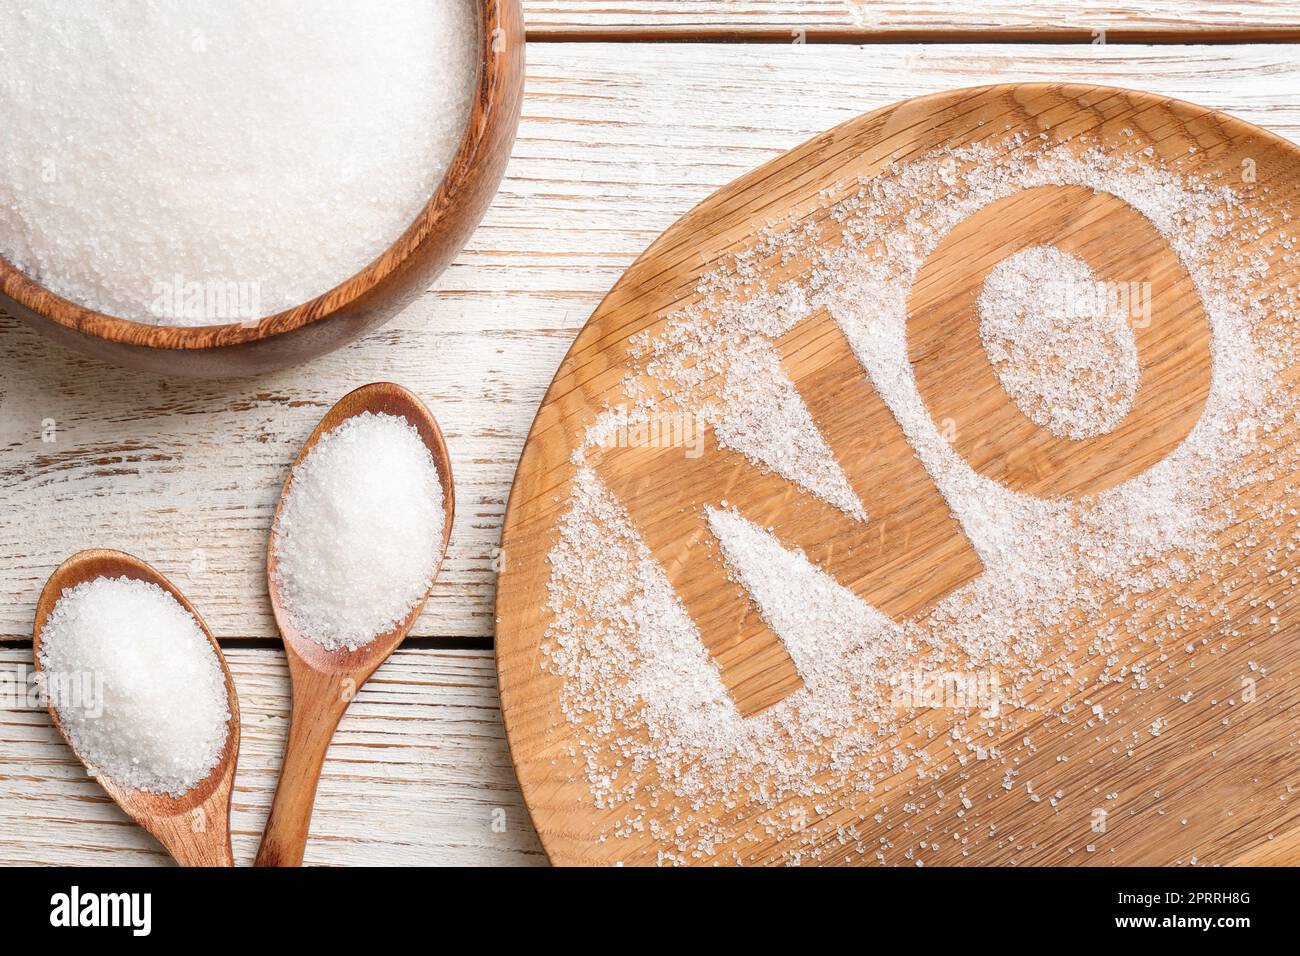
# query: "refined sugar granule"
1063, 350
358, 537
136, 684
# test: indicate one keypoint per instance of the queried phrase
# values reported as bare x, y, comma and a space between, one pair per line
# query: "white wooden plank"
912, 19
418, 773
615, 144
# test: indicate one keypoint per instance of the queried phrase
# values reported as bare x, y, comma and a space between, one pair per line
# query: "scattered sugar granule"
136, 684
358, 538
187, 163
1060, 342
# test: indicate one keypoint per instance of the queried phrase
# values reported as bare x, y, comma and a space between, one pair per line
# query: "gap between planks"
473, 643
816, 36
418, 773
910, 21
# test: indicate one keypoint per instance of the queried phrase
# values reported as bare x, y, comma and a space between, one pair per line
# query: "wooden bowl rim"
493, 75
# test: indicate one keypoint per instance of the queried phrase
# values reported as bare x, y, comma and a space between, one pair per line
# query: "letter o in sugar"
961, 387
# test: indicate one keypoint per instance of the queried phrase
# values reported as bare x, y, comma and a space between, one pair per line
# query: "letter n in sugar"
907, 555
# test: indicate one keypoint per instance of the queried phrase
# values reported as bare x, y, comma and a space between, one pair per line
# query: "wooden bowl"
367, 299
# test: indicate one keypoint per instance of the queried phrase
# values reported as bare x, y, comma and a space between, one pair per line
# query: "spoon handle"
319, 700
200, 837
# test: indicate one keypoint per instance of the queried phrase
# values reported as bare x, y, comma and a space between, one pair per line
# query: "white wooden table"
622, 132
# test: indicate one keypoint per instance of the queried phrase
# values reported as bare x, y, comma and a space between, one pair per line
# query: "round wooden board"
1216, 791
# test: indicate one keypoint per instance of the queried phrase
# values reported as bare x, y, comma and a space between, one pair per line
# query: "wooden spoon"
325, 681
194, 827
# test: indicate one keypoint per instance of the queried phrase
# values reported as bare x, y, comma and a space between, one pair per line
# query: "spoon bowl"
324, 680
194, 827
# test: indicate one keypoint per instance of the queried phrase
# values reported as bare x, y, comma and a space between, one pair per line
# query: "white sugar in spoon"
325, 681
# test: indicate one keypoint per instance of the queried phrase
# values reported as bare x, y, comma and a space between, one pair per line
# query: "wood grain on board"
611, 150
911, 20
1220, 817
418, 773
